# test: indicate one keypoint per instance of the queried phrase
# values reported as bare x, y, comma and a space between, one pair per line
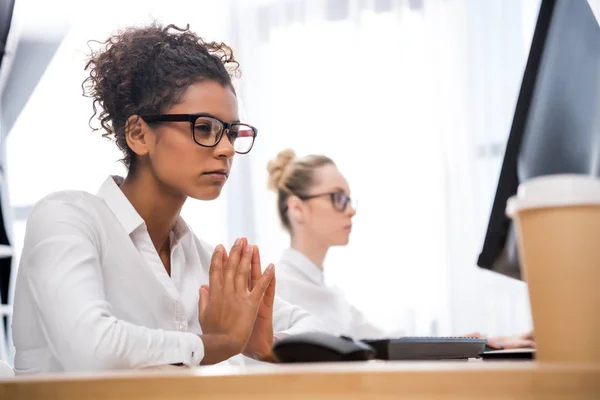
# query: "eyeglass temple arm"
167, 118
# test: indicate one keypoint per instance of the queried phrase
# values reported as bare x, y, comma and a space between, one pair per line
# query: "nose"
350, 210
224, 149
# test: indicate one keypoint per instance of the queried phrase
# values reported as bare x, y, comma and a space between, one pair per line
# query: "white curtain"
500, 33
413, 100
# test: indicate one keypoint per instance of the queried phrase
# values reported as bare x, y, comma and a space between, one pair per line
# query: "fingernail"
270, 268
237, 242
218, 248
248, 248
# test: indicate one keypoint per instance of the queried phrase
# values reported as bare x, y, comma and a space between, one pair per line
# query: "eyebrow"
207, 114
339, 189
237, 121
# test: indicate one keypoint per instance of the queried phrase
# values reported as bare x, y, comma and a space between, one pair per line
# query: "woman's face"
181, 165
322, 219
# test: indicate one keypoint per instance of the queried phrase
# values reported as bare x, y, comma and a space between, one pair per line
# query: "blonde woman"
315, 207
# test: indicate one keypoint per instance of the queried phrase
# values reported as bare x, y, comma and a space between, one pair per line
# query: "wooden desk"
373, 380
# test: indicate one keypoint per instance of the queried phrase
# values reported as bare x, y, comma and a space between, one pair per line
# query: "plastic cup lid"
555, 191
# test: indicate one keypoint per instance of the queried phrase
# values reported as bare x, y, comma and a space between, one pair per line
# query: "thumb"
263, 283
269, 295
204, 293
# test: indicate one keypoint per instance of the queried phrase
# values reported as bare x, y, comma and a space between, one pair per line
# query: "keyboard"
427, 348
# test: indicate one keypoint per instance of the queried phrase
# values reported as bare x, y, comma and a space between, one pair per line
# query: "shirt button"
182, 326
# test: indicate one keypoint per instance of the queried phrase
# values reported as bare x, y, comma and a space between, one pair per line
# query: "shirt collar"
124, 210
303, 265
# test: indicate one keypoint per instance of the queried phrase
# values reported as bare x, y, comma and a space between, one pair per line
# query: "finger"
215, 272
495, 344
204, 294
529, 344
232, 264
256, 271
529, 336
261, 286
225, 260
225, 257
269, 296
243, 270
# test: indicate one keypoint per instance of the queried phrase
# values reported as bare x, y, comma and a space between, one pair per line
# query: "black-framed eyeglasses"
207, 130
339, 199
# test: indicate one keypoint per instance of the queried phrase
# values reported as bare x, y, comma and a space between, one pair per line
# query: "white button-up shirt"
93, 294
301, 282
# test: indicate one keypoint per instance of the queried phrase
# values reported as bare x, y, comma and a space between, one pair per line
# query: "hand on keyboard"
523, 341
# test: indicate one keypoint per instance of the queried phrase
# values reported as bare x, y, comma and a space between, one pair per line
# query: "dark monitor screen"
6, 13
556, 125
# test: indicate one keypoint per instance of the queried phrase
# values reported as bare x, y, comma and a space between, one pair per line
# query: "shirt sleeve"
289, 319
363, 328
62, 271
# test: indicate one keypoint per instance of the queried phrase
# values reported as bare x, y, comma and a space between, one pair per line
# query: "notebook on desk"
428, 348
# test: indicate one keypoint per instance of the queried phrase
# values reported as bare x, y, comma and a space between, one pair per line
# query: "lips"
217, 172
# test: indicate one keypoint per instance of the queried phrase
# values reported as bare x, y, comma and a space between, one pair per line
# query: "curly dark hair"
145, 71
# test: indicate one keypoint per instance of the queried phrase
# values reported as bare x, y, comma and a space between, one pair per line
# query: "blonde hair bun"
277, 168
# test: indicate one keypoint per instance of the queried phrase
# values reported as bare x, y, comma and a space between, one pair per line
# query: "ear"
296, 210
137, 134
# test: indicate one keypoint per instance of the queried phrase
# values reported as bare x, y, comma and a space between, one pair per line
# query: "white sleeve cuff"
191, 350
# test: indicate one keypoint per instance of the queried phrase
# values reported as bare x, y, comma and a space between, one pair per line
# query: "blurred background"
413, 99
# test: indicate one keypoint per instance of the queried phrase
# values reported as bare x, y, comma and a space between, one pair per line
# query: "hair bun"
277, 167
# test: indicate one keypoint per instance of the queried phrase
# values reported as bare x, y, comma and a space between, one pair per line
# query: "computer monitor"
556, 125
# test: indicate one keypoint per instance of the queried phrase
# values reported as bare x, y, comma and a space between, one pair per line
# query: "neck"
159, 206
311, 247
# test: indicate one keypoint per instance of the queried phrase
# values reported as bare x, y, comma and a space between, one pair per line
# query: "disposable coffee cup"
557, 221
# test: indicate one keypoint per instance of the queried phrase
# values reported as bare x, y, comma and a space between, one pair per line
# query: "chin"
205, 193
343, 241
